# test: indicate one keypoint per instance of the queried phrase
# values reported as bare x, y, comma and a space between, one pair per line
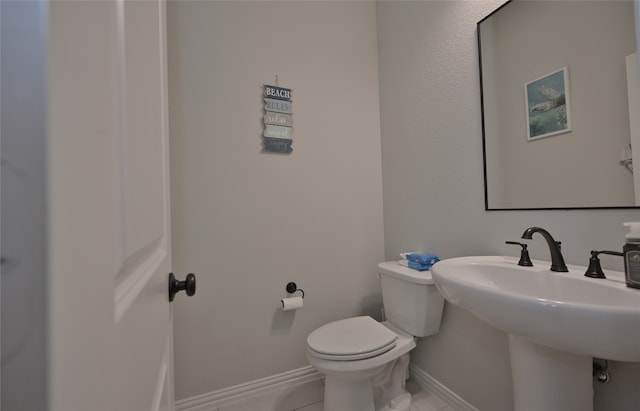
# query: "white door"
110, 330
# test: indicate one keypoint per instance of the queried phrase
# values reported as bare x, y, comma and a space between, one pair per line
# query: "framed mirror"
560, 90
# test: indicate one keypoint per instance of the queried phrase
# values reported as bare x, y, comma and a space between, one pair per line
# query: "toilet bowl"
350, 371
365, 362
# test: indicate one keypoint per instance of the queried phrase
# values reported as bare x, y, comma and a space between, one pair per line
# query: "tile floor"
308, 397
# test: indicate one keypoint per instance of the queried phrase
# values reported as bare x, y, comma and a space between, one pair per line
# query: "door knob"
188, 285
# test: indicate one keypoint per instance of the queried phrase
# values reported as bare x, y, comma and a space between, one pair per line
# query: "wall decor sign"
278, 120
277, 131
547, 103
277, 106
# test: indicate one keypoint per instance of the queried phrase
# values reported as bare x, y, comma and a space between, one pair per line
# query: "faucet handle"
525, 261
595, 270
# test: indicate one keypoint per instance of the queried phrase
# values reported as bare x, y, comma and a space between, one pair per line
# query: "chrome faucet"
557, 261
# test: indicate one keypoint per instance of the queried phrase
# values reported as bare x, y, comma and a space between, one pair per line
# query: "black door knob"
188, 285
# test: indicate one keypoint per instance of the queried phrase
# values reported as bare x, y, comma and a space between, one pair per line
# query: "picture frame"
547, 103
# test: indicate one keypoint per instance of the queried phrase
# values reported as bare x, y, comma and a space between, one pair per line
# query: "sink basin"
556, 322
565, 311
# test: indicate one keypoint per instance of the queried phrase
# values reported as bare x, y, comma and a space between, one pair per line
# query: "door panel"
143, 221
110, 319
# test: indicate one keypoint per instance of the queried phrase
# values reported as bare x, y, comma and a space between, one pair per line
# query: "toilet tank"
411, 300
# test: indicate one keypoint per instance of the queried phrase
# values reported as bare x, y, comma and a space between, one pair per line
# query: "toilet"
365, 362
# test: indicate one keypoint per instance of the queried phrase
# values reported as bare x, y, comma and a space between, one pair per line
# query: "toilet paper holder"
292, 288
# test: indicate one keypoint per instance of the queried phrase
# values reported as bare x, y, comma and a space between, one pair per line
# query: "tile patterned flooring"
308, 397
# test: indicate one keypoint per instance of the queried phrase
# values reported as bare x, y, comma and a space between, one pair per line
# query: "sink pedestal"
548, 379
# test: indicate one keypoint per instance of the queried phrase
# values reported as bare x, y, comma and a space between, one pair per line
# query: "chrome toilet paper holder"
292, 288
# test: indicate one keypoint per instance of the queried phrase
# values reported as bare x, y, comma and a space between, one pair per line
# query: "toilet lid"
351, 338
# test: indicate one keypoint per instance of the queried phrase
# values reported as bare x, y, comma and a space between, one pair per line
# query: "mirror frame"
484, 140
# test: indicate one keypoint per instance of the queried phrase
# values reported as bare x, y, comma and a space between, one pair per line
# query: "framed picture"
547, 103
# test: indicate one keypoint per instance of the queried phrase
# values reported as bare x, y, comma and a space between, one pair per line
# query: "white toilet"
365, 362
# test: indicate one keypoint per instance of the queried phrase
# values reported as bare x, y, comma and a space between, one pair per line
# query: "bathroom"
387, 157
390, 81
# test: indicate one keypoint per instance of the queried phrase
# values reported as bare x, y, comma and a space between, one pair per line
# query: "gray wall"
248, 222
433, 191
23, 283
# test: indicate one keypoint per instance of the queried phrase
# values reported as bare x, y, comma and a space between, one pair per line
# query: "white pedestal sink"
557, 322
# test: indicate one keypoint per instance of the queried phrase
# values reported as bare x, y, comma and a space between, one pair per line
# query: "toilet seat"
355, 338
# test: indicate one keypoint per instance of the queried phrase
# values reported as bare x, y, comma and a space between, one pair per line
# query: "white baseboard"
212, 400
431, 385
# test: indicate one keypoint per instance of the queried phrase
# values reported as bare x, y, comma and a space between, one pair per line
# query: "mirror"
556, 105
